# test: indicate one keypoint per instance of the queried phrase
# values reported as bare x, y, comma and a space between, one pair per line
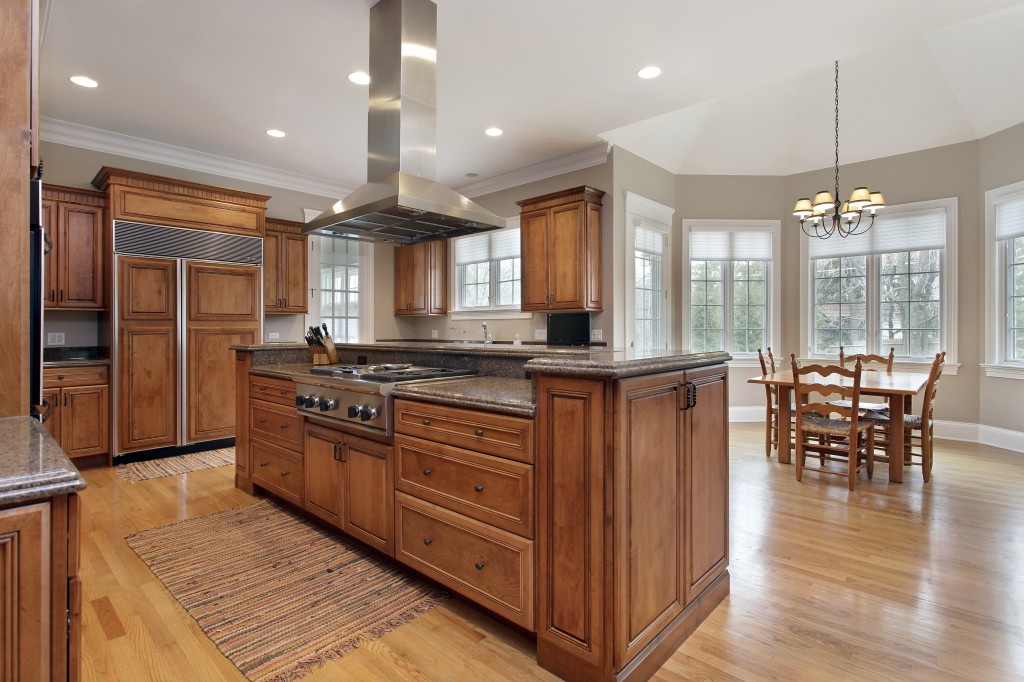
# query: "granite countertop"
623, 362
32, 465
98, 362
495, 394
492, 349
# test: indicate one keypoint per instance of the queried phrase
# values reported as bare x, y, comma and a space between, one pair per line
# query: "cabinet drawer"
485, 564
272, 390
276, 424
493, 434
58, 377
490, 489
277, 470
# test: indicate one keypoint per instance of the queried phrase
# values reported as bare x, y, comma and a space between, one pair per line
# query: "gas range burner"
388, 373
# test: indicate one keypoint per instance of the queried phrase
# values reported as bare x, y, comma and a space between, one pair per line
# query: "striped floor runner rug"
277, 594
170, 466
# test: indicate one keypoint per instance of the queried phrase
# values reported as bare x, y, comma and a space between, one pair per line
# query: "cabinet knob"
427, 541
479, 432
262, 421
284, 426
263, 464
479, 565
479, 488
60, 377
426, 422
283, 474
427, 471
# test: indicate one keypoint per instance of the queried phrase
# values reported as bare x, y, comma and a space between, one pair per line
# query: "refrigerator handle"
43, 411
47, 244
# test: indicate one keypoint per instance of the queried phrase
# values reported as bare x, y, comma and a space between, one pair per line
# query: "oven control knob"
353, 411
328, 404
367, 413
300, 400
311, 401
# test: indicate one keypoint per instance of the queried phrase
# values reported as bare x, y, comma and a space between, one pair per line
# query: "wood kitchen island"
585, 491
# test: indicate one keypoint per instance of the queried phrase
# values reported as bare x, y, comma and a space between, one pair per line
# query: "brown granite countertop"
32, 465
52, 364
494, 394
623, 362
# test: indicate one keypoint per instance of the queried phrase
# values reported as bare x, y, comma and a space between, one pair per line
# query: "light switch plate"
596, 335
55, 339
273, 336
540, 334
433, 333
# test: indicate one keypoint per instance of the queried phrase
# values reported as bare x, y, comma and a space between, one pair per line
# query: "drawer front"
490, 489
485, 564
272, 390
276, 424
58, 377
492, 434
277, 470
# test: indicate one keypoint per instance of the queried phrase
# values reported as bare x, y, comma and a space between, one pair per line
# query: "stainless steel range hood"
401, 202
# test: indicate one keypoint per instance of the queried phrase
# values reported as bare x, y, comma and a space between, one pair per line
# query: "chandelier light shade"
826, 215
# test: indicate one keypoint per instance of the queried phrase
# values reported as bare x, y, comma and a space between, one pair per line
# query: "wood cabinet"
560, 240
350, 483
464, 510
421, 278
632, 477
79, 398
73, 224
285, 268
41, 596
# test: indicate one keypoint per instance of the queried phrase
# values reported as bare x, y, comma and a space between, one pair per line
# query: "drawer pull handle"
60, 377
263, 464
426, 422
428, 471
427, 541
479, 488
284, 426
479, 565
283, 474
284, 391
263, 421
479, 432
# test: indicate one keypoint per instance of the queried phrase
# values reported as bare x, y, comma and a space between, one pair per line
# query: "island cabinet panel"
322, 473
277, 470
368, 492
494, 434
25, 560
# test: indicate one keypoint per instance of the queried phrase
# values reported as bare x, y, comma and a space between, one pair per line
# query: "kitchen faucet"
487, 336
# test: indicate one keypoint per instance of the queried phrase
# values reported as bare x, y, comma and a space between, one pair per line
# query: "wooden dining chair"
918, 429
771, 395
849, 438
866, 362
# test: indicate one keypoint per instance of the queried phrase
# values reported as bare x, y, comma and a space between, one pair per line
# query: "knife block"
326, 354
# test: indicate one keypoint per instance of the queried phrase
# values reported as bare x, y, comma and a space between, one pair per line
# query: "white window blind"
905, 231
649, 241
1010, 218
489, 246
730, 245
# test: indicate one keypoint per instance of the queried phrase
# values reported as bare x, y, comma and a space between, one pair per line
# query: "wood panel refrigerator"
182, 298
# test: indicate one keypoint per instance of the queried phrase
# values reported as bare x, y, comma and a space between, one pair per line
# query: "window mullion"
727, 333
871, 330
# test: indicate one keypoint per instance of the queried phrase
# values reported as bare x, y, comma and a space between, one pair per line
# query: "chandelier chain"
837, 134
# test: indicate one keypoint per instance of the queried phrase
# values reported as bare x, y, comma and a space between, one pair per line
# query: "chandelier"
825, 216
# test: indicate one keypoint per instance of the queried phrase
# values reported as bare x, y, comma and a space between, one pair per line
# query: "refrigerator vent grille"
141, 239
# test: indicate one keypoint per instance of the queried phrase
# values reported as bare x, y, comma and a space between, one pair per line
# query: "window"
339, 285
488, 271
648, 274
1004, 225
733, 283
887, 287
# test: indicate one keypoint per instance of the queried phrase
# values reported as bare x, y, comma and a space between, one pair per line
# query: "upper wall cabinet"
560, 237
143, 198
285, 267
73, 223
421, 278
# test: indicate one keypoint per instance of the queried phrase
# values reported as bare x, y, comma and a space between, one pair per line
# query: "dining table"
898, 388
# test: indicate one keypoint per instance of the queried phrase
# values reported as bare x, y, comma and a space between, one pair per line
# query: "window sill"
1004, 371
489, 315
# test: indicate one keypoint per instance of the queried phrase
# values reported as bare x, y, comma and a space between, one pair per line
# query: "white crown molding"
585, 158
95, 139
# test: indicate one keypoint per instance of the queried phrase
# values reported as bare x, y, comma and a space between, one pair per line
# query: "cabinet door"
80, 257
50, 263
411, 279
147, 402
437, 277
534, 253
322, 473
368, 493
707, 479
52, 423
566, 257
222, 293
24, 601
84, 421
293, 273
271, 272
211, 381
650, 501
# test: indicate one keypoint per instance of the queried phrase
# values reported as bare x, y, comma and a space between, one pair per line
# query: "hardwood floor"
889, 582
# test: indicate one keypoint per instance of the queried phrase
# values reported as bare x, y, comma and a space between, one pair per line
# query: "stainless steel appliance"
360, 395
37, 248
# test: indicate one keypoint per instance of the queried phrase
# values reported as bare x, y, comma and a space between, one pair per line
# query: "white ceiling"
746, 85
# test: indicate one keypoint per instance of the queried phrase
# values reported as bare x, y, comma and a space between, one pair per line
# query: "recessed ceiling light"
274, 132
359, 77
649, 72
494, 132
84, 81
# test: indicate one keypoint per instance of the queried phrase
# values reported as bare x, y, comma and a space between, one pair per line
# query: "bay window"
1004, 224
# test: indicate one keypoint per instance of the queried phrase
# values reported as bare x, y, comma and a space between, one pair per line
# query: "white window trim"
996, 364
774, 307
949, 289
366, 301
477, 313
641, 211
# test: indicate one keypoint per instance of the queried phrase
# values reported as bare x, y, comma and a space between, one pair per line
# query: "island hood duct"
401, 202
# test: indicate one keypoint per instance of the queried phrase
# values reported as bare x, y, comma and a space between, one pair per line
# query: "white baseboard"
971, 433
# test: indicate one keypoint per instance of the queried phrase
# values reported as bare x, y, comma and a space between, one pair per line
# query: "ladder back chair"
866, 359
919, 429
849, 439
771, 394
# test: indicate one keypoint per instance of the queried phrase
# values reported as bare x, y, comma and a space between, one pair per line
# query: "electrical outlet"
273, 336
540, 334
596, 335
55, 339
433, 333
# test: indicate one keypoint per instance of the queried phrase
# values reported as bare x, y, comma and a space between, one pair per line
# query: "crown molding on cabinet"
585, 158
